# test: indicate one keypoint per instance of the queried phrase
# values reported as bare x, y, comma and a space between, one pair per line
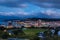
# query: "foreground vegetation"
31, 34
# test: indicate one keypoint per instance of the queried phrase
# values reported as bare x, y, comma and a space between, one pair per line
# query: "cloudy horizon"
30, 8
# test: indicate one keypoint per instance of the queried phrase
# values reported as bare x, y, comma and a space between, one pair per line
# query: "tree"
5, 35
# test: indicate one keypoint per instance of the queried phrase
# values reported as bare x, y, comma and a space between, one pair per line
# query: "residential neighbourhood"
29, 23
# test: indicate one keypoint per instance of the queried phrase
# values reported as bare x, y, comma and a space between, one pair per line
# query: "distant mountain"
44, 19
32, 17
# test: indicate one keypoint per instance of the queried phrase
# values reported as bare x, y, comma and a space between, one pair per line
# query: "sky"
29, 9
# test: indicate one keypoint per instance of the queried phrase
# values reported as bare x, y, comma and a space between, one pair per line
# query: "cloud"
40, 3
23, 5
29, 7
47, 3
7, 13
13, 13
11, 3
8, 1
23, 13
51, 12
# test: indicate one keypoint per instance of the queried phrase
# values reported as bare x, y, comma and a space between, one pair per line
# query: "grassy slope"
32, 32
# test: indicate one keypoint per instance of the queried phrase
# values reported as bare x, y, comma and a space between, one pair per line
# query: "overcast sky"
30, 8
